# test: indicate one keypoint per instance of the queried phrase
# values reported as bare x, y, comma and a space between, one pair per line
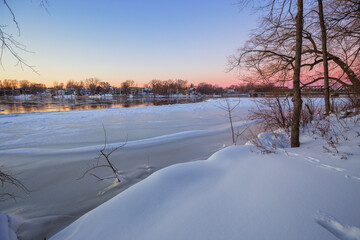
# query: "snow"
239, 193
50, 151
271, 140
339, 230
63, 96
8, 227
102, 96
23, 97
166, 192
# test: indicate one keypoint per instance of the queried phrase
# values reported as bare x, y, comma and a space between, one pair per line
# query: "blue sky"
119, 40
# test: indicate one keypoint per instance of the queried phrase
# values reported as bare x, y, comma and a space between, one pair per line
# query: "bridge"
308, 90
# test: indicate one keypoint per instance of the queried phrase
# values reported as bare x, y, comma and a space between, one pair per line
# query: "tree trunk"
297, 102
325, 57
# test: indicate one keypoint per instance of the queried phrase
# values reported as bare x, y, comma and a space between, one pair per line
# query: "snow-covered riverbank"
49, 151
310, 192
239, 193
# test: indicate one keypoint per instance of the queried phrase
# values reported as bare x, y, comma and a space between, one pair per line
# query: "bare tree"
58, 86
275, 53
297, 101
25, 86
269, 52
156, 86
180, 85
340, 24
274, 112
125, 86
10, 85
92, 84
278, 50
325, 57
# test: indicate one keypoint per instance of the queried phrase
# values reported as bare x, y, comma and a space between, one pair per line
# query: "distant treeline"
93, 86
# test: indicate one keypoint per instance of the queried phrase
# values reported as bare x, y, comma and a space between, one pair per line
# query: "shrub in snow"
275, 112
335, 130
229, 107
269, 142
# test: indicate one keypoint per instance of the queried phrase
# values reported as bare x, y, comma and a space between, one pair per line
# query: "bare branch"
105, 155
229, 110
6, 179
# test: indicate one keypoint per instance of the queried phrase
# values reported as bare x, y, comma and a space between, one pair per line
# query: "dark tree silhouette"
297, 101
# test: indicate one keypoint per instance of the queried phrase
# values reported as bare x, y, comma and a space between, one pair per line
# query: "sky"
123, 40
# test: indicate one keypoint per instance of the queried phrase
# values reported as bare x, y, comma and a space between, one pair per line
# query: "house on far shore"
85, 91
147, 91
230, 91
191, 91
60, 92
136, 91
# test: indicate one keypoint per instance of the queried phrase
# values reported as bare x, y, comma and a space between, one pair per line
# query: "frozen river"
50, 151
29, 103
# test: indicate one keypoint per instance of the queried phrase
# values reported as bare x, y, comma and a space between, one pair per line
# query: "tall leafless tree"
296, 113
275, 53
325, 57
269, 52
269, 55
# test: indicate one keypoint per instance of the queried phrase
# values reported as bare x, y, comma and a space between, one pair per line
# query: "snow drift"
236, 194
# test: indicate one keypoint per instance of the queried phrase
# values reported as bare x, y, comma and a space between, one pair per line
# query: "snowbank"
72, 96
8, 227
271, 141
238, 193
23, 97
57, 147
102, 96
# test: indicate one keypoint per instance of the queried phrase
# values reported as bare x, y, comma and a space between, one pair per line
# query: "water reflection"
47, 104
